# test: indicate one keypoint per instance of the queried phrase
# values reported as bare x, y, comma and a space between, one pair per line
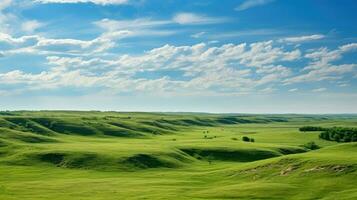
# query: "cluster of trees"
340, 134
312, 128
247, 139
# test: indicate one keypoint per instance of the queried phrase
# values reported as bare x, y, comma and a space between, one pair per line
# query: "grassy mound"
102, 162
27, 137
26, 124
145, 161
224, 154
77, 160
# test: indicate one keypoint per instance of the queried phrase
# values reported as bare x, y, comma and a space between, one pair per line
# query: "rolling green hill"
111, 155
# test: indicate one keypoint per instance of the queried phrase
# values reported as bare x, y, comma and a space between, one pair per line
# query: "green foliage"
247, 139
311, 128
339, 134
311, 146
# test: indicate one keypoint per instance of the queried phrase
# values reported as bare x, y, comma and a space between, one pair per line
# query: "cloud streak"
194, 19
247, 4
304, 38
99, 2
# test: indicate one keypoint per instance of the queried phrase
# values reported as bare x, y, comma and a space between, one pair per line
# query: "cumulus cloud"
223, 69
304, 38
321, 68
252, 3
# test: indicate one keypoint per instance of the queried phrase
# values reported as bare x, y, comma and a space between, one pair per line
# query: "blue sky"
243, 56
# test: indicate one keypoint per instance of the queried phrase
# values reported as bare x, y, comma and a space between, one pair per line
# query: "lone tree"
245, 139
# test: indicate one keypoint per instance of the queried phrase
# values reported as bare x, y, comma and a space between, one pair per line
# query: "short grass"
110, 155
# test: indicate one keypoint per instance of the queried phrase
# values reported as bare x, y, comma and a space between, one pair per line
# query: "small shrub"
246, 139
252, 140
234, 138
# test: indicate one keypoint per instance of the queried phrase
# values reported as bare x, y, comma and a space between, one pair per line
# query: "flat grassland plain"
109, 155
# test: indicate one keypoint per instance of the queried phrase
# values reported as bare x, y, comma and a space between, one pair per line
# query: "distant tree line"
312, 128
338, 134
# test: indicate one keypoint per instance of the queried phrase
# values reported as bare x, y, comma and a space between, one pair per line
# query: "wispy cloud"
31, 25
304, 38
4, 4
139, 23
244, 33
252, 3
99, 2
198, 35
319, 90
193, 18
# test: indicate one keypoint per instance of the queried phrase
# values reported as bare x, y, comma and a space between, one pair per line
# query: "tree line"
338, 134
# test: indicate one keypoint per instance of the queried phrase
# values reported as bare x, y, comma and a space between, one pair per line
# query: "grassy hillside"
110, 155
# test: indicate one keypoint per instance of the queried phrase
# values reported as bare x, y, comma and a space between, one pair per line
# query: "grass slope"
109, 155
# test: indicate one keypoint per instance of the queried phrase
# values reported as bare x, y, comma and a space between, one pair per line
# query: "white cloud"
136, 27
327, 73
320, 67
252, 3
226, 69
243, 33
348, 47
304, 38
139, 23
156, 27
344, 85
31, 25
6, 19
319, 90
198, 35
193, 18
293, 90
42, 45
100, 2
4, 4
201, 68
268, 90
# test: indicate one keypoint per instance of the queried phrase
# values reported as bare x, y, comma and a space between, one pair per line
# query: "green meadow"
114, 155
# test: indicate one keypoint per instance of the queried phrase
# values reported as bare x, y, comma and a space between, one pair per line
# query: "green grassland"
111, 155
